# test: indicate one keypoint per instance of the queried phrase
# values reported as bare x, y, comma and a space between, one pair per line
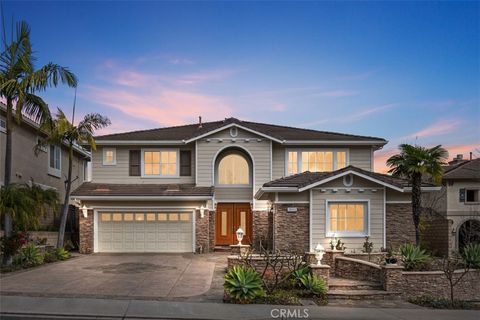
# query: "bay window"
315, 160
160, 163
347, 218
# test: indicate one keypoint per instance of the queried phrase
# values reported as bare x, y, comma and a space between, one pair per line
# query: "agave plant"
62, 254
413, 256
298, 274
471, 255
31, 256
314, 284
243, 284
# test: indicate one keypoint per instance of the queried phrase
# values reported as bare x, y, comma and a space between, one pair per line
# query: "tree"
412, 163
25, 204
19, 83
61, 131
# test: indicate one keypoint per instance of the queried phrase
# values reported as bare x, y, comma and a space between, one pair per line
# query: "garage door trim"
96, 210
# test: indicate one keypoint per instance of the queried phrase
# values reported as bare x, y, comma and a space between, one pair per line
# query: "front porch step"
362, 294
221, 249
348, 284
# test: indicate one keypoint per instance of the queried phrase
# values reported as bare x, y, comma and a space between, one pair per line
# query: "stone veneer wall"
357, 269
435, 236
85, 232
262, 229
399, 225
291, 230
202, 232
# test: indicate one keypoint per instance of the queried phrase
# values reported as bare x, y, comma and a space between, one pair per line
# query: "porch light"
319, 251
240, 233
85, 211
202, 211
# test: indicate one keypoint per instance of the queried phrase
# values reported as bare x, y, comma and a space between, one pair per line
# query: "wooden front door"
228, 218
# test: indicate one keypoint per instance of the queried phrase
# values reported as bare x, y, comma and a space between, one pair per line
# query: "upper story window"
109, 156
54, 160
160, 163
471, 195
315, 160
233, 169
3, 124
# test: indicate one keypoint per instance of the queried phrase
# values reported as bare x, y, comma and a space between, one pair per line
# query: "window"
347, 219
3, 124
315, 161
109, 156
160, 163
471, 195
233, 169
54, 156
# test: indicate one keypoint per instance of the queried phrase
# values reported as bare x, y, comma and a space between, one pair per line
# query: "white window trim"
3, 129
346, 234
149, 176
299, 156
104, 158
53, 171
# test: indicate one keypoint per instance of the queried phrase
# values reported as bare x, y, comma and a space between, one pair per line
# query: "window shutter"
462, 195
185, 163
134, 163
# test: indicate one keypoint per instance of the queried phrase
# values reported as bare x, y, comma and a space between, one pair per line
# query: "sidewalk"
21, 307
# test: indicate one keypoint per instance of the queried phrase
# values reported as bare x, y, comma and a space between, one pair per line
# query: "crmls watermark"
281, 313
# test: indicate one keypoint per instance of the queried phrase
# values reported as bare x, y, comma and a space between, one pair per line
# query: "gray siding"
360, 157
377, 225
233, 194
297, 196
119, 173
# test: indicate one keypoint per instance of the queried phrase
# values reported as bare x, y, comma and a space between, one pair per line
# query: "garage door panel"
145, 232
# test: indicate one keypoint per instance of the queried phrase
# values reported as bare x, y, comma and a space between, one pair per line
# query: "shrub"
297, 275
49, 257
413, 257
243, 284
31, 256
62, 254
314, 284
471, 256
282, 297
440, 303
10, 246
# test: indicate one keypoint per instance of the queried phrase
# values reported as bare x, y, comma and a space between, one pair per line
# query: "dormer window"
315, 160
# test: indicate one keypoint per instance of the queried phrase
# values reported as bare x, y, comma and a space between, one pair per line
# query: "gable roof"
306, 180
188, 133
469, 169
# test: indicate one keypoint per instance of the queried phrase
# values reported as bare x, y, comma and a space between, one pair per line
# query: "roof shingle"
170, 190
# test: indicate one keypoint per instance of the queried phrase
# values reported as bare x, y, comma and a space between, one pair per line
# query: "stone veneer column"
202, 232
330, 256
399, 224
85, 232
321, 271
391, 277
291, 230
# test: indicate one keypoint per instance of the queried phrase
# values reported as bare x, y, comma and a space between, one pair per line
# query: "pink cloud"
279, 107
439, 128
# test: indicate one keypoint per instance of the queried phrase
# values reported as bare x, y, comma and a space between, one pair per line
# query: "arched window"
233, 169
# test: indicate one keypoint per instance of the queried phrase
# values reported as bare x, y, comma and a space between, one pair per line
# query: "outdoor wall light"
319, 251
85, 211
202, 211
240, 233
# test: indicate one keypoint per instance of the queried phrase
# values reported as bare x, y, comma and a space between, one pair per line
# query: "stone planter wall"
357, 269
375, 257
255, 261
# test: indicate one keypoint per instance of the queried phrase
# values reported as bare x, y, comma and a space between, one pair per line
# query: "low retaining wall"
356, 269
256, 261
434, 283
375, 257
52, 236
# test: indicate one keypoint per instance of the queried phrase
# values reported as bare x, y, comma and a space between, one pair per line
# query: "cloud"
349, 118
336, 93
279, 107
357, 76
438, 128
180, 61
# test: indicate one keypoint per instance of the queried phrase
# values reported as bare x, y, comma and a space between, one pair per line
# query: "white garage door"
145, 232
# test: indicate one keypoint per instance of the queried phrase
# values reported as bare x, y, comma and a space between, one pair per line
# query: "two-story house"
46, 167
189, 188
456, 207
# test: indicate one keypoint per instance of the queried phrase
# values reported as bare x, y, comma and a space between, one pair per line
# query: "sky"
408, 72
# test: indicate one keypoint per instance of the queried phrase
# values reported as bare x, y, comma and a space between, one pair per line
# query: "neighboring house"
189, 188
457, 207
47, 168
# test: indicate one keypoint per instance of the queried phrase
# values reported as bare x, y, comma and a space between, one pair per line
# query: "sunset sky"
407, 72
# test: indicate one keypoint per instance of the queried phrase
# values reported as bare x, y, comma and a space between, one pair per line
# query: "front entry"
228, 218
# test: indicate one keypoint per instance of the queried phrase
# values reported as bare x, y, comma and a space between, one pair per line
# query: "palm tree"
61, 131
412, 163
19, 81
25, 204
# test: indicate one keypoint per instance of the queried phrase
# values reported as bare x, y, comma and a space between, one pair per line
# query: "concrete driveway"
149, 276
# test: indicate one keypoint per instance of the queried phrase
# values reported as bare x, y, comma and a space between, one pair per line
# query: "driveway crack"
179, 278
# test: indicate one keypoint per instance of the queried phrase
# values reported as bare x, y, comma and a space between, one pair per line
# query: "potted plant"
390, 257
